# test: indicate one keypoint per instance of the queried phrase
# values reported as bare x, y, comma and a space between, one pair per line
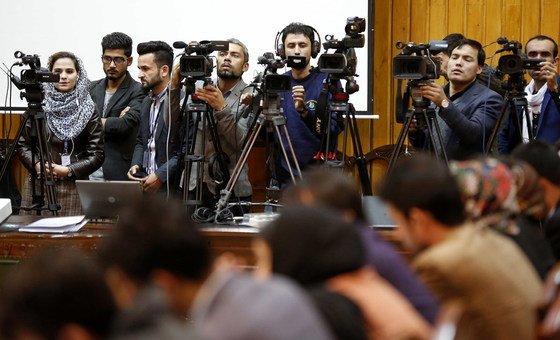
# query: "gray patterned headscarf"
68, 112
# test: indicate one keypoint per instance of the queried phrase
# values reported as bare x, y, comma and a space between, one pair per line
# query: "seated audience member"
164, 252
543, 100
315, 247
57, 294
472, 265
466, 110
338, 191
489, 192
546, 161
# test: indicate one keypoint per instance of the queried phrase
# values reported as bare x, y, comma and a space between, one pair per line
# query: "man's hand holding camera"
213, 96
434, 93
549, 71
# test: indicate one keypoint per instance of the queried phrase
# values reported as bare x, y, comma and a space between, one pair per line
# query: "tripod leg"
359, 154
283, 147
46, 158
440, 139
494, 133
226, 193
400, 141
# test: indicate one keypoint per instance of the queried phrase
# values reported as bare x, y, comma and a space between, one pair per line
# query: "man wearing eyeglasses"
118, 98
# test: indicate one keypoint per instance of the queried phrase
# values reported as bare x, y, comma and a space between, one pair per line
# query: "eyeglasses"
117, 60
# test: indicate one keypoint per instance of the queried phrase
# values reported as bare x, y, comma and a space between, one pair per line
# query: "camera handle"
429, 116
36, 117
271, 116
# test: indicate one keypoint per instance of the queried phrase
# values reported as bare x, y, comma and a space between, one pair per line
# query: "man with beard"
298, 40
231, 123
542, 97
118, 98
154, 161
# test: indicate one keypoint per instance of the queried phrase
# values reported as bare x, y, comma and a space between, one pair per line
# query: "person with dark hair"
168, 260
300, 105
57, 294
232, 124
339, 192
154, 161
319, 250
546, 161
466, 111
543, 100
471, 265
118, 98
73, 131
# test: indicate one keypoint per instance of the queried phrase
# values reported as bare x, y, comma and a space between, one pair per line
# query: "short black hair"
54, 288
452, 41
117, 41
313, 244
298, 28
163, 53
64, 54
425, 183
542, 157
152, 234
481, 55
544, 37
330, 188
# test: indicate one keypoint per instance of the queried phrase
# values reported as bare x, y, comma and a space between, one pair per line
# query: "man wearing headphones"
298, 40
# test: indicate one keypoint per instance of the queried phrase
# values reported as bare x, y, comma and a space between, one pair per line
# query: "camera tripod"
342, 108
270, 116
202, 114
36, 118
425, 115
517, 102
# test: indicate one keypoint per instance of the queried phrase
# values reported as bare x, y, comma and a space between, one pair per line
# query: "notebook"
104, 199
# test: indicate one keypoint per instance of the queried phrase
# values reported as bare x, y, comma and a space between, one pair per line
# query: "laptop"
376, 214
104, 199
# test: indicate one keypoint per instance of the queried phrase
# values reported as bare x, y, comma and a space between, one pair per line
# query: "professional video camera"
414, 61
271, 81
199, 65
517, 62
343, 61
31, 78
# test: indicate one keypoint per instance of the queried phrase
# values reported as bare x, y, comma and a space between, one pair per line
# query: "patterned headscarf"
488, 191
68, 112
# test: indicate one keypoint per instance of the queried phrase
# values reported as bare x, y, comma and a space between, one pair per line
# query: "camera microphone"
19, 54
502, 40
179, 44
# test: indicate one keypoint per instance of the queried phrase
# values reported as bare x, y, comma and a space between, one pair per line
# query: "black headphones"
315, 44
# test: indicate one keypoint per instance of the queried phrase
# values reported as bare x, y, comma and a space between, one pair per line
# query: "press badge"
65, 159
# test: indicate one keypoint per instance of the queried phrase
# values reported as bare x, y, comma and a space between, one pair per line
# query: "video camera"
343, 61
35, 75
199, 65
272, 81
517, 62
414, 61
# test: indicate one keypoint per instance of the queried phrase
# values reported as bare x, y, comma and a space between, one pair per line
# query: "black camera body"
517, 62
344, 61
414, 62
35, 74
272, 82
196, 62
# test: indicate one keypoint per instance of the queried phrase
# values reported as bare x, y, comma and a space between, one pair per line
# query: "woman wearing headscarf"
506, 199
72, 131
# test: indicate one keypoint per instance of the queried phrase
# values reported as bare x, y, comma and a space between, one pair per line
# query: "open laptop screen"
104, 199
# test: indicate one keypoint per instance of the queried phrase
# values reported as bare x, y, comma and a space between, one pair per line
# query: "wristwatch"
444, 103
70, 173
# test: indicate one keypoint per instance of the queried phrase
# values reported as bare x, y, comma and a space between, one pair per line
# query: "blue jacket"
466, 124
548, 127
